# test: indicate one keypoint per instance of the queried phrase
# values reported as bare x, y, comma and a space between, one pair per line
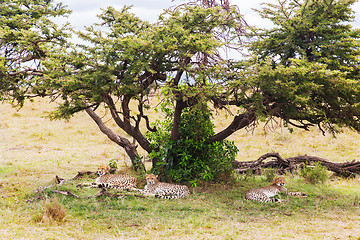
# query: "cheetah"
164, 190
264, 194
118, 181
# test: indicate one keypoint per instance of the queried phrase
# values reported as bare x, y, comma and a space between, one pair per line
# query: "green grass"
33, 150
216, 211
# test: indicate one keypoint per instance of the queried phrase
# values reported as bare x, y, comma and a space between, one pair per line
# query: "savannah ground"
34, 149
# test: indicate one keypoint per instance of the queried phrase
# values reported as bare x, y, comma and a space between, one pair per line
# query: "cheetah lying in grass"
164, 190
264, 194
108, 180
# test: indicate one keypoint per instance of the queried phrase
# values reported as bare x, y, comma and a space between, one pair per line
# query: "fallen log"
274, 160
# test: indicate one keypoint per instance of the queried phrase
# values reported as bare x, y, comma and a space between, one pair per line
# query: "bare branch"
141, 115
121, 141
66, 193
239, 122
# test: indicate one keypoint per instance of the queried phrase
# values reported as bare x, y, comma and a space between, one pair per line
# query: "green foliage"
306, 69
270, 174
131, 54
192, 157
318, 31
113, 165
27, 35
315, 174
307, 91
138, 164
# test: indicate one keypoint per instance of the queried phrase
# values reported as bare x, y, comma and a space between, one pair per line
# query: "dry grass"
33, 150
53, 211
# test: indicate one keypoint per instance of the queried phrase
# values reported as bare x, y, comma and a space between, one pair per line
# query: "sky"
85, 11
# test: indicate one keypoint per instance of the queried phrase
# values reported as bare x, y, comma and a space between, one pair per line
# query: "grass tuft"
53, 211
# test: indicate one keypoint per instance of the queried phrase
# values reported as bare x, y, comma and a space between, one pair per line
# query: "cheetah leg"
298, 194
276, 200
136, 189
126, 188
146, 192
88, 185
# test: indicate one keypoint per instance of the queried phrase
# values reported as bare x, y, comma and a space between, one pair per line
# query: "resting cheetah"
264, 194
107, 180
164, 190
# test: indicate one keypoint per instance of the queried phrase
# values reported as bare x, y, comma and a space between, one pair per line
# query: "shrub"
315, 174
192, 157
270, 174
113, 166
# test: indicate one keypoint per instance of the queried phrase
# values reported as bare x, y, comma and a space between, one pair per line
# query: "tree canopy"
304, 71
308, 64
27, 33
122, 63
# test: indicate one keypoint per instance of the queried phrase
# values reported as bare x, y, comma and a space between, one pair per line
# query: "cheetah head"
102, 170
151, 179
280, 181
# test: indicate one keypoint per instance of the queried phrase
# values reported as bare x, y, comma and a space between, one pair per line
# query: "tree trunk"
345, 169
180, 105
121, 141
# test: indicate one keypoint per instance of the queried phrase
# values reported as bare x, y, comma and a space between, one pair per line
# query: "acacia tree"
126, 57
27, 34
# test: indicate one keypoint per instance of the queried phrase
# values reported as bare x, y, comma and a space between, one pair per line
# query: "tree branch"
66, 193
125, 124
141, 115
239, 122
121, 141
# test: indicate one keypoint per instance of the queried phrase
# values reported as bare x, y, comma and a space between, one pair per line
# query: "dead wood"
274, 160
66, 193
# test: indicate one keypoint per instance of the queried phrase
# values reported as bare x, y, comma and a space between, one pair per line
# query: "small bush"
315, 174
113, 166
270, 174
193, 157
